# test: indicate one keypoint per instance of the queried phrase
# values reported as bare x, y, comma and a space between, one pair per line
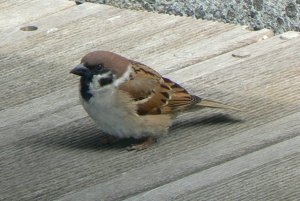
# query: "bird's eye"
99, 67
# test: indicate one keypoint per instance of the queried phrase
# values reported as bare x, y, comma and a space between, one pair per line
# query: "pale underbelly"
115, 119
114, 112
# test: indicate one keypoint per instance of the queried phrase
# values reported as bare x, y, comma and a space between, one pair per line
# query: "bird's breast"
111, 114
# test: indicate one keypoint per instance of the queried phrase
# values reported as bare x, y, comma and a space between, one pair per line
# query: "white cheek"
95, 81
123, 78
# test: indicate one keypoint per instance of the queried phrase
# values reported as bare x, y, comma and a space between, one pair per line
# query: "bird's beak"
80, 70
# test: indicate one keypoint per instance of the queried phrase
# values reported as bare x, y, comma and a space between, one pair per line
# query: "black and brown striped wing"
143, 81
154, 94
179, 98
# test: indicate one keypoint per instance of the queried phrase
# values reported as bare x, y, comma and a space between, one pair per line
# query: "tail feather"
213, 104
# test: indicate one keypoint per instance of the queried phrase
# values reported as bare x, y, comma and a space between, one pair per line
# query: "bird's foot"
108, 139
143, 145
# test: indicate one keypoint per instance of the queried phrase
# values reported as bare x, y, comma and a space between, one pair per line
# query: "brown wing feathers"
165, 98
156, 102
180, 98
154, 94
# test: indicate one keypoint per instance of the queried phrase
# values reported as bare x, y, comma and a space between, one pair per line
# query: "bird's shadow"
77, 137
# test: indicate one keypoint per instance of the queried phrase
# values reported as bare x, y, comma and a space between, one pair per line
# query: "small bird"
127, 99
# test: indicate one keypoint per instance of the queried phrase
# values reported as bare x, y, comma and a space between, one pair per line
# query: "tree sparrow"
127, 99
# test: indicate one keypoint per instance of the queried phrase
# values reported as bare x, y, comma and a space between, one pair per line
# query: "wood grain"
50, 148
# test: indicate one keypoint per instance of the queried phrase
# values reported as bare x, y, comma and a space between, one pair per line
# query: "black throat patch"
85, 88
85, 84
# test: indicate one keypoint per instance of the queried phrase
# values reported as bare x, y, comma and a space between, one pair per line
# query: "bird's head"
102, 67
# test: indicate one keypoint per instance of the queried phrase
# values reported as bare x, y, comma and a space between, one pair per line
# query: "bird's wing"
154, 94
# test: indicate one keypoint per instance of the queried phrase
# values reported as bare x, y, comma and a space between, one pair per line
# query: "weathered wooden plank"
178, 78
277, 180
39, 121
19, 114
63, 48
77, 141
27, 112
49, 23
49, 147
215, 175
256, 51
202, 160
263, 77
15, 13
199, 50
80, 152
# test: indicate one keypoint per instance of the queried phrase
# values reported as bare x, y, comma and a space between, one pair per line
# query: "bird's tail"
213, 104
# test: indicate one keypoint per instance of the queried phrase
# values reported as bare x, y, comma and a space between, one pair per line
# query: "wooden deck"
50, 147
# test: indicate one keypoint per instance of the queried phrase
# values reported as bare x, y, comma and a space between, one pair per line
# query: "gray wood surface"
50, 148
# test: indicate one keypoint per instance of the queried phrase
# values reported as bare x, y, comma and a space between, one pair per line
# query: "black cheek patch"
106, 80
